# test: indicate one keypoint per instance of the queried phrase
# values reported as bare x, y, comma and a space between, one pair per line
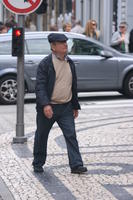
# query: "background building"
101, 11
125, 13
107, 13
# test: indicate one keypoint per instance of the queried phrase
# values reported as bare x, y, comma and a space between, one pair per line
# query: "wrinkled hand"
75, 113
48, 111
122, 38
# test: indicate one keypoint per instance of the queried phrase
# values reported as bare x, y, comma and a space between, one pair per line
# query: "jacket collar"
67, 57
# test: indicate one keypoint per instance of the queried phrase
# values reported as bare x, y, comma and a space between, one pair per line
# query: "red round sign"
22, 6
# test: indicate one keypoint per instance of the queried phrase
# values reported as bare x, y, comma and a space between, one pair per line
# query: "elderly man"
57, 101
120, 39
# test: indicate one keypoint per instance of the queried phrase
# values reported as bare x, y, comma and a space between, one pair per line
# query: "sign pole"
20, 138
22, 8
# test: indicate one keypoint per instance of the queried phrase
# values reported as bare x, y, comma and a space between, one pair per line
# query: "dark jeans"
63, 115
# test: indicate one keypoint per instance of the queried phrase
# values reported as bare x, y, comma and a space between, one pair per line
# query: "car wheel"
8, 90
128, 85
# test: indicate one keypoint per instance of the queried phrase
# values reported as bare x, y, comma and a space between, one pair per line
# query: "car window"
83, 47
5, 48
38, 46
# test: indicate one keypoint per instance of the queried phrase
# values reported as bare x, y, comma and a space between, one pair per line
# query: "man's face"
60, 47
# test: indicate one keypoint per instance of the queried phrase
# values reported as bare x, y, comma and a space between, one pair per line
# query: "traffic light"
42, 8
17, 41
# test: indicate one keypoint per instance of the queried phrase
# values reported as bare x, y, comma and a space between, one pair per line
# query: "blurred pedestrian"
29, 25
10, 23
57, 101
91, 30
53, 28
120, 39
77, 28
67, 27
3, 29
131, 41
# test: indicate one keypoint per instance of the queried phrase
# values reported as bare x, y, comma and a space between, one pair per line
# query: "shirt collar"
57, 56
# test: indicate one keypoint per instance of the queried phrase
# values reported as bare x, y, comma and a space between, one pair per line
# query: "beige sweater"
62, 92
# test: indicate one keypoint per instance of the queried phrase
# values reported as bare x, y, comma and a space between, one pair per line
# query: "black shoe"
79, 170
38, 169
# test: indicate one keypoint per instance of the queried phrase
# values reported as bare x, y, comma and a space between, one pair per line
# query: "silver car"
98, 67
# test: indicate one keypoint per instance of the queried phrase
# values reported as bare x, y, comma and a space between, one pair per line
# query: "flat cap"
57, 37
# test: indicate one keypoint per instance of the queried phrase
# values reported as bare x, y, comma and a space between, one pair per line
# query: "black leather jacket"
45, 83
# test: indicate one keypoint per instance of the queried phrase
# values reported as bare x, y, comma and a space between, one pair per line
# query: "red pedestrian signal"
17, 41
17, 33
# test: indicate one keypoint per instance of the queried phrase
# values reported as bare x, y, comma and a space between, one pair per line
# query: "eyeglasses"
121, 26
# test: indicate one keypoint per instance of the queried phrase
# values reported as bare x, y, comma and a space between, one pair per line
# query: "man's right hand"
48, 111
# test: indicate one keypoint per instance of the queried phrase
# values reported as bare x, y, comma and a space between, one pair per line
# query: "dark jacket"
131, 42
45, 81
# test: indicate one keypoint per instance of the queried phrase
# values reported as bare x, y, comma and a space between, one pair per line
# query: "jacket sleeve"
131, 41
75, 102
41, 84
115, 39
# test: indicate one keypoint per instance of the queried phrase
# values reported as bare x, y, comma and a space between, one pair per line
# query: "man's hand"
75, 113
48, 111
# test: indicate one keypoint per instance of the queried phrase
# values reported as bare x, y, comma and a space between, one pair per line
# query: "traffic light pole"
20, 138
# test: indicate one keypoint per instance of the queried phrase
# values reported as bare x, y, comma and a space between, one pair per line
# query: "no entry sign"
22, 7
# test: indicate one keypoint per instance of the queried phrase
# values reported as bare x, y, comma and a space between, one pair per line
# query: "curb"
5, 194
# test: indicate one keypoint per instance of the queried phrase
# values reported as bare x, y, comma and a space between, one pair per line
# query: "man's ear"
53, 46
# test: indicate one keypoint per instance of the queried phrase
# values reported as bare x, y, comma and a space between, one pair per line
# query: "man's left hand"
75, 113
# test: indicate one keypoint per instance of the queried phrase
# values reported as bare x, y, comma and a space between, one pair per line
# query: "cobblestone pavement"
105, 136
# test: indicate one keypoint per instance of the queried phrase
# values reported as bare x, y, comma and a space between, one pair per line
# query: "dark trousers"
63, 115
